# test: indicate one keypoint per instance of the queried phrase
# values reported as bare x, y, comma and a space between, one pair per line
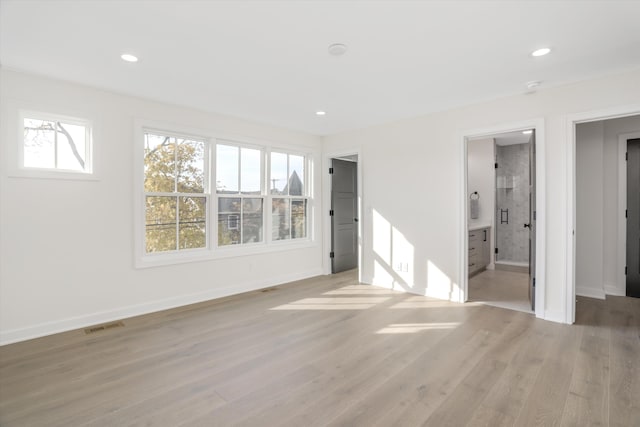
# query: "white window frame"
213, 252
307, 192
239, 194
20, 170
206, 194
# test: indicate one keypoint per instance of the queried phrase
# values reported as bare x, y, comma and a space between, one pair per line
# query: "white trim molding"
570, 122
326, 198
590, 293
613, 289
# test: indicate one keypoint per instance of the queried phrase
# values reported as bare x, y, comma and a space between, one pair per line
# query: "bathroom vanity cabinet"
479, 249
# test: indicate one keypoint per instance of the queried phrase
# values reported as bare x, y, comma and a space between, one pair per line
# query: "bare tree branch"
166, 140
72, 144
42, 127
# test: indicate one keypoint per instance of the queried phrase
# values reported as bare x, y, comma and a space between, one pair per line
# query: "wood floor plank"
588, 399
504, 402
624, 398
460, 406
330, 351
428, 379
546, 401
348, 374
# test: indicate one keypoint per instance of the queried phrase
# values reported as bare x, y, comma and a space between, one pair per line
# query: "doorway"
344, 213
501, 171
607, 208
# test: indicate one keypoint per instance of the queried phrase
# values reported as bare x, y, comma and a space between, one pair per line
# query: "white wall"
589, 209
481, 178
412, 171
66, 249
597, 164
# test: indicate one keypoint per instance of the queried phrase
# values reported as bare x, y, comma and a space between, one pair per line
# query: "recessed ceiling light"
533, 84
527, 132
337, 49
321, 113
128, 57
541, 52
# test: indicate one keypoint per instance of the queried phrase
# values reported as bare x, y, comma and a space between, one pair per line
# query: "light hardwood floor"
506, 289
328, 351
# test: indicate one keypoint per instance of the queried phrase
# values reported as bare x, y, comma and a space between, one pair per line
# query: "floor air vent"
269, 290
103, 327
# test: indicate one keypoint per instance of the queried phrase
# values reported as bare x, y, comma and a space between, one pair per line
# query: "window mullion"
175, 164
286, 179
55, 145
175, 189
291, 217
177, 223
241, 225
239, 170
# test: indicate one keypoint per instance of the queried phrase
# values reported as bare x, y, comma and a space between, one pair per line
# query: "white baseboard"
590, 292
555, 316
64, 325
612, 289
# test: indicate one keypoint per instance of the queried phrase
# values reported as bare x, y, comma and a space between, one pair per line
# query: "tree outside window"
56, 145
176, 196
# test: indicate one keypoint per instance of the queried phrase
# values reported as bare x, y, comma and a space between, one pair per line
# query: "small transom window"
56, 144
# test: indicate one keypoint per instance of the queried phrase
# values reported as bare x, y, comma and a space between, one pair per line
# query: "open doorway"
343, 197
501, 223
607, 208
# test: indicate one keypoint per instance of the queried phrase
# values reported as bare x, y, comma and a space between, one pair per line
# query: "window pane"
252, 220
280, 217
228, 221
296, 175
160, 224
227, 169
190, 167
71, 146
278, 173
192, 225
298, 218
251, 171
159, 163
39, 144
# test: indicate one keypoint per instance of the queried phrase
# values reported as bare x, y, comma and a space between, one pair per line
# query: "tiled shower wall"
512, 193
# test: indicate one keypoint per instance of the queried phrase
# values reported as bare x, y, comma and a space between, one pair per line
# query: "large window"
176, 192
288, 196
240, 195
56, 144
206, 199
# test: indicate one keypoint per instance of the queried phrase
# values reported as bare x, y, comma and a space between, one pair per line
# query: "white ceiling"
268, 60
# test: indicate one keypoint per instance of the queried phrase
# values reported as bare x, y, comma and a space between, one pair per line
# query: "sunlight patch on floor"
423, 302
411, 328
336, 303
364, 290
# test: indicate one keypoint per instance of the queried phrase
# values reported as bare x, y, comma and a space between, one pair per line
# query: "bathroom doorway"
501, 170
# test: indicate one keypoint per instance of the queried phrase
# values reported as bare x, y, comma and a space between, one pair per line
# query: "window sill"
160, 260
52, 174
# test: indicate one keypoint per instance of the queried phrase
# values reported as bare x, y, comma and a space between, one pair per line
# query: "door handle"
527, 226
485, 235
355, 219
